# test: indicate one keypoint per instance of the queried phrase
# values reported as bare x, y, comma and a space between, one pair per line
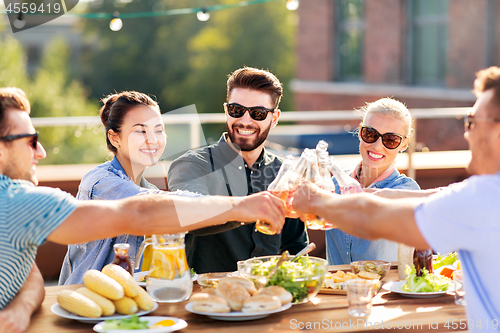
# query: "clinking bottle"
313, 175
278, 188
295, 177
347, 184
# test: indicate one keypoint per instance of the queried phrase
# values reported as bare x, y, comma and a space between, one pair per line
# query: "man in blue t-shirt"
29, 215
462, 217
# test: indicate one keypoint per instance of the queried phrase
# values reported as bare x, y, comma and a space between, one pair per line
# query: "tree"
183, 61
53, 93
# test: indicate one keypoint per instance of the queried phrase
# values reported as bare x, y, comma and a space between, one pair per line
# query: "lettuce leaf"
444, 260
131, 323
428, 282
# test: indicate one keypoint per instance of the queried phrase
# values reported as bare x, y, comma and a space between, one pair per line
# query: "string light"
19, 22
116, 23
203, 15
292, 4
157, 13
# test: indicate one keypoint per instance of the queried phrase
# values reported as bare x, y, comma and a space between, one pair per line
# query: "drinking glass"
459, 288
359, 295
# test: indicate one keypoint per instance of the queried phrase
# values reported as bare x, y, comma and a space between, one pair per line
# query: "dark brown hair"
11, 98
116, 107
256, 79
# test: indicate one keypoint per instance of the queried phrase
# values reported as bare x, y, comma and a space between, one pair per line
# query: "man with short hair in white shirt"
462, 217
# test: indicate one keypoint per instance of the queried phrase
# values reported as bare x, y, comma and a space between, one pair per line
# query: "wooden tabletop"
324, 313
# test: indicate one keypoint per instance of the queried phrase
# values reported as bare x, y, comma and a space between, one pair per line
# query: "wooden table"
325, 313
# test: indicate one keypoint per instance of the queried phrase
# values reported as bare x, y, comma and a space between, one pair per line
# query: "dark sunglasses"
256, 112
469, 121
389, 140
34, 142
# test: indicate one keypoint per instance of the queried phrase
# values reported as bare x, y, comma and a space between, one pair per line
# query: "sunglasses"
34, 142
256, 112
469, 121
389, 140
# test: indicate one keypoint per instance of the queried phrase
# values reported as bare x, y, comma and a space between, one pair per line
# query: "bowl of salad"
373, 266
303, 277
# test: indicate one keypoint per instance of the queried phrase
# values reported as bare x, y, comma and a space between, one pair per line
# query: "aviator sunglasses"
389, 140
256, 112
34, 142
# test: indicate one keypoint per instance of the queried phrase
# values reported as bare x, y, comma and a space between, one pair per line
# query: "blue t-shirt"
342, 248
28, 214
464, 218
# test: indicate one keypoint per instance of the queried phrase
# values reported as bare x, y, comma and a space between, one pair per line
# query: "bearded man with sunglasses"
237, 165
462, 217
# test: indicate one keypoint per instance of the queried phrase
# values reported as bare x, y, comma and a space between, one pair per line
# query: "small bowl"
210, 280
373, 266
303, 278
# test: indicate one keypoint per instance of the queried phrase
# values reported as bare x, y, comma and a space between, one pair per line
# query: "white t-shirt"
466, 218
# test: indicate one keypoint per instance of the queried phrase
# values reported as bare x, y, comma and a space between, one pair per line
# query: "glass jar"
121, 257
169, 277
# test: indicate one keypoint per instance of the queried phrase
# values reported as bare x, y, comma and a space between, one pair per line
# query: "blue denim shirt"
342, 248
108, 181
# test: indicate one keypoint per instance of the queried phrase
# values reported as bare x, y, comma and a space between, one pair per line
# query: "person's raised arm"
391, 193
16, 316
159, 214
363, 215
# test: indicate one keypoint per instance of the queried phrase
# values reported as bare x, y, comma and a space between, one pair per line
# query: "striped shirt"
28, 214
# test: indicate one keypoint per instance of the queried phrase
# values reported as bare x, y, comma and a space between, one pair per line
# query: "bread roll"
244, 282
209, 303
234, 293
261, 303
284, 295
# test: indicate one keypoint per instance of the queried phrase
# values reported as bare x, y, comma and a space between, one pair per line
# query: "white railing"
194, 121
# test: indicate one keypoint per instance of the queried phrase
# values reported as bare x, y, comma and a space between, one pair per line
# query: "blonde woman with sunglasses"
384, 131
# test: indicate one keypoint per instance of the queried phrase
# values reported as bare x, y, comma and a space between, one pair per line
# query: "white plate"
179, 324
397, 287
138, 275
58, 311
236, 315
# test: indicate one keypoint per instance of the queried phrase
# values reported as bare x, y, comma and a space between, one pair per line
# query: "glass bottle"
278, 188
121, 257
422, 259
326, 177
295, 176
347, 184
312, 221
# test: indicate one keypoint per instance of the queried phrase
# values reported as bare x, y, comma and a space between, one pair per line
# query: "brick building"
421, 52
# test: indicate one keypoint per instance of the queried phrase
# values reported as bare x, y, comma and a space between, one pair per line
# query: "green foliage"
53, 93
183, 61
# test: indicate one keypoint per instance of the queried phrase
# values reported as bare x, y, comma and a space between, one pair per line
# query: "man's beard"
247, 144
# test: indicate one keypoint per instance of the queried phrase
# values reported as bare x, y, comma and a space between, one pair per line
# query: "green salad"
441, 260
131, 323
428, 282
302, 277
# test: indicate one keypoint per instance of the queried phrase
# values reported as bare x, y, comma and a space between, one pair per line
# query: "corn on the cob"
143, 300
123, 277
107, 307
103, 284
79, 304
125, 305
